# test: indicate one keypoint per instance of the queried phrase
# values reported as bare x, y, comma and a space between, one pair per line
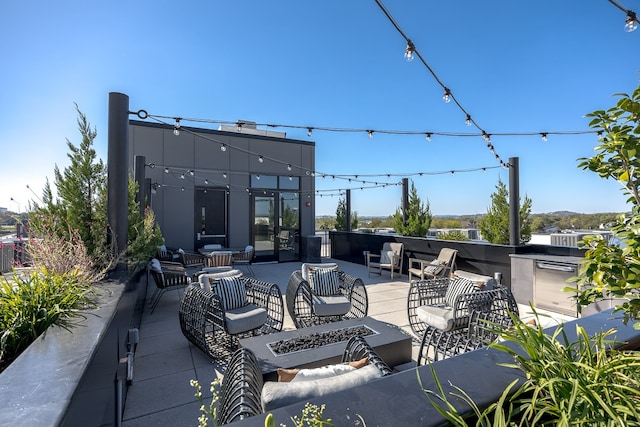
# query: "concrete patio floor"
165, 361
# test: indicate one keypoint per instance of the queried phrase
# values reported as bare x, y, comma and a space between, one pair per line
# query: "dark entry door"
210, 217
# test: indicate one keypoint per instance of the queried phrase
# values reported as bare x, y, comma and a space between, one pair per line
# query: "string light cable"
631, 20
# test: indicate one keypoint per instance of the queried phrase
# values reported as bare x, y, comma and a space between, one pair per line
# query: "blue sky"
514, 66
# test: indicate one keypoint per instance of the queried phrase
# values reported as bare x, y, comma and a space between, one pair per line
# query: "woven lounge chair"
320, 293
222, 307
483, 329
446, 303
244, 394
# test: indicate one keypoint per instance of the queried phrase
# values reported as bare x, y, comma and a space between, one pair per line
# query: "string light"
309, 131
176, 127
446, 97
289, 167
409, 51
468, 120
370, 132
631, 22
543, 135
223, 147
260, 159
428, 137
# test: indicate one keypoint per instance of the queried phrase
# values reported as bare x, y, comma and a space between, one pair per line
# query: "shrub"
580, 382
30, 304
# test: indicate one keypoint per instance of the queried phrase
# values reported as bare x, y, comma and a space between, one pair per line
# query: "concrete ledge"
37, 388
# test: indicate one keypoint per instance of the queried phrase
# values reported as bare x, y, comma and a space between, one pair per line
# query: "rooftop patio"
165, 362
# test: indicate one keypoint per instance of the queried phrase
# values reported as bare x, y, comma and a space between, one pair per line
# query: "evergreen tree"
341, 216
418, 216
494, 226
81, 187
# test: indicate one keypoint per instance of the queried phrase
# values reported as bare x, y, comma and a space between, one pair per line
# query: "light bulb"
468, 120
258, 177
166, 170
446, 97
191, 173
428, 137
370, 132
182, 176
630, 24
544, 137
223, 147
152, 165
289, 168
309, 131
206, 182
224, 175
176, 127
260, 159
409, 51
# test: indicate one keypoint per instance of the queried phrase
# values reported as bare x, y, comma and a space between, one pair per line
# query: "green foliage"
494, 226
446, 223
454, 235
613, 270
29, 304
341, 217
580, 382
418, 216
312, 415
144, 234
80, 206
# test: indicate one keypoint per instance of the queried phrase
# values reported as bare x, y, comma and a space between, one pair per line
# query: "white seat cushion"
440, 317
244, 319
332, 305
279, 394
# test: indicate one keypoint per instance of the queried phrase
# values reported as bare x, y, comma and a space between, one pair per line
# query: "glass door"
264, 227
289, 220
276, 230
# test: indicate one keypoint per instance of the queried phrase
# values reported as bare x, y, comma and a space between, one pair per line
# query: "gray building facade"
236, 186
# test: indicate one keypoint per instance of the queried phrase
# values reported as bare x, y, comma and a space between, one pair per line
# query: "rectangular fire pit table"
391, 343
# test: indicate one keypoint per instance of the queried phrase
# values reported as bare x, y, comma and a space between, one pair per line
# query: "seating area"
221, 307
168, 357
321, 293
244, 393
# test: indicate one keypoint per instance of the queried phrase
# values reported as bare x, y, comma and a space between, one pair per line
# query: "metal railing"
12, 254
325, 245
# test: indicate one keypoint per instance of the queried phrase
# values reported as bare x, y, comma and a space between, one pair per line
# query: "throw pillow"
324, 282
286, 375
434, 267
386, 257
458, 287
231, 291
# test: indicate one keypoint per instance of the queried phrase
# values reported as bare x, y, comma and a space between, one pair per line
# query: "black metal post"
139, 174
348, 205
514, 201
405, 200
117, 167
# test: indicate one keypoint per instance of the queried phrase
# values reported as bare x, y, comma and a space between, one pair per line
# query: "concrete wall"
198, 150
